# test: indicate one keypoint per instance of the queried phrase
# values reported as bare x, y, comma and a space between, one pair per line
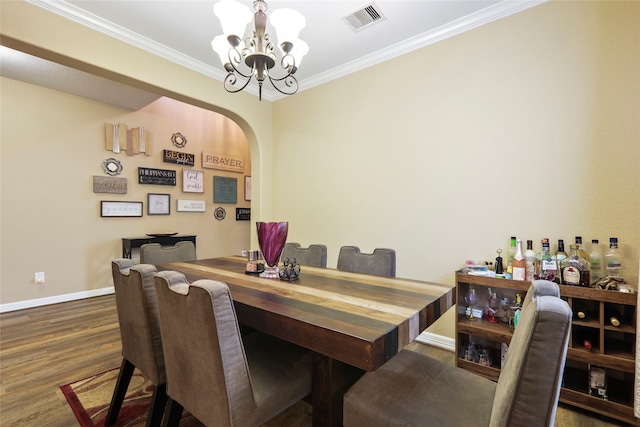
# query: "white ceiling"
181, 31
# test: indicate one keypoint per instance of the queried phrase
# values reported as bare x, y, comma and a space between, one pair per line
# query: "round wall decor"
179, 140
112, 167
219, 213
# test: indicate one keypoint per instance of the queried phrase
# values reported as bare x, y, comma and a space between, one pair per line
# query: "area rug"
89, 399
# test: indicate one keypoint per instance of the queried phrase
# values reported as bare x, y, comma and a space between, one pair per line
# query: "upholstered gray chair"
382, 262
413, 389
137, 308
313, 256
154, 253
221, 378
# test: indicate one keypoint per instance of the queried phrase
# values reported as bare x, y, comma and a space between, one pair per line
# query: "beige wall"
54, 143
527, 126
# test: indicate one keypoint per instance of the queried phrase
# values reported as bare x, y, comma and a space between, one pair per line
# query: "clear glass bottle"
560, 254
596, 261
581, 250
548, 264
597, 381
518, 263
613, 264
574, 270
530, 260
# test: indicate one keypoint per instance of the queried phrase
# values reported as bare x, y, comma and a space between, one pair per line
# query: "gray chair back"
154, 253
211, 372
382, 262
529, 384
313, 256
137, 307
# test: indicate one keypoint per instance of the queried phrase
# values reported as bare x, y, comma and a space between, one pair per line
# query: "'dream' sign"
213, 160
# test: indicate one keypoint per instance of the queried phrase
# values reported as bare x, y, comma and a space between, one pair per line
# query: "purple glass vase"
271, 237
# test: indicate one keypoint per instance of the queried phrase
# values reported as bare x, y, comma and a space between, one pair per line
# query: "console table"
129, 243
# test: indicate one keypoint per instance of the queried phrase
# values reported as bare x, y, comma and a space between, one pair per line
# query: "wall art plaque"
225, 190
243, 214
178, 157
222, 161
191, 205
192, 181
109, 184
120, 209
156, 176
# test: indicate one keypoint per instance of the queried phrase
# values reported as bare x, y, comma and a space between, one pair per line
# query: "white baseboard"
20, 305
440, 341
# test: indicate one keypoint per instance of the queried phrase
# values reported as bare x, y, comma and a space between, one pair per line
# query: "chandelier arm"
290, 84
230, 81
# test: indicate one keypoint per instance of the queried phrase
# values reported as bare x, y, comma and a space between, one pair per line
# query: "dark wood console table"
129, 243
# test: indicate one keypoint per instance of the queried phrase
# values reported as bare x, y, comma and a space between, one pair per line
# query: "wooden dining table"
351, 322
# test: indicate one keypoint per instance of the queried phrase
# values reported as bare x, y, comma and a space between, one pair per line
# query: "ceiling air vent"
364, 17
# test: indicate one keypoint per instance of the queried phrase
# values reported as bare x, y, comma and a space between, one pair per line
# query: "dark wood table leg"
331, 379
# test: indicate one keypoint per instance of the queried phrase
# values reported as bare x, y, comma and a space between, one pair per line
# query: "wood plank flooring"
45, 347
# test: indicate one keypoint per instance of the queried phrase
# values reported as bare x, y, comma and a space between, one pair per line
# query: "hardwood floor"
45, 347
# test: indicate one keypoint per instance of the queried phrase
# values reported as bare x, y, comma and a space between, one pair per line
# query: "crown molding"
469, 22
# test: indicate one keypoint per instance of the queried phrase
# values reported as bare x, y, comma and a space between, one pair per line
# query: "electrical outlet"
39, 277
244, 252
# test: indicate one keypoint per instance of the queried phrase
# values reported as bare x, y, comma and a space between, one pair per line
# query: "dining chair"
382, 262
217, 375
137, 308
412, 387
313, 256
154, 253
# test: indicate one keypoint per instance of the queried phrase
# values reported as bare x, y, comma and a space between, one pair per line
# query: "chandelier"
255, 56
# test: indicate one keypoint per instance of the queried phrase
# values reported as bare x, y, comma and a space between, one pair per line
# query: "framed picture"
192, 181
247, 188
120, 209
158, 204
191, 206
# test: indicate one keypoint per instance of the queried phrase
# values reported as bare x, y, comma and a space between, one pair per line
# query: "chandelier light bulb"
288, 24
234, 17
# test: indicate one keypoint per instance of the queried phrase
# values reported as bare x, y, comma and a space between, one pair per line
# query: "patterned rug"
89, 399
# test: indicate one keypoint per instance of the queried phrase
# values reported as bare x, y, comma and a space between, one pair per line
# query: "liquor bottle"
560, 254
597, 382
530, 260
581, 251
518, 263
511, 252
612, 258
548, 264
574, 270
596, 260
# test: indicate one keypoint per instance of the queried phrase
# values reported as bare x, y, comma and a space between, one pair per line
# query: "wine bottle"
581, 310
530, 260
518, 263
574, 270
548, 264
596, 261
613, 317
612, 258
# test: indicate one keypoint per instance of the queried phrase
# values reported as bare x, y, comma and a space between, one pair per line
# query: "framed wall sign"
120, 209
192, 181
158, 204
109, 184
247, 188
243, 214
225, 190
